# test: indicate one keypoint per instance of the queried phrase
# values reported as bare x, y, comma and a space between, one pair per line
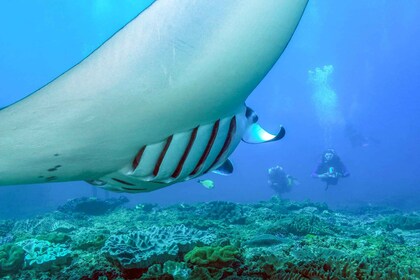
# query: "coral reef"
228, 212
169, 270
264, 240
92, 205
11, 259
142, 248
43, 255
213, 256
275, 239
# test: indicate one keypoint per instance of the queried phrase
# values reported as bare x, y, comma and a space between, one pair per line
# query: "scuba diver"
330, 168
357, 139
280, 181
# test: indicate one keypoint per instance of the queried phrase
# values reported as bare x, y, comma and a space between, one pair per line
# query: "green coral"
310, 237
212, 256
11, 259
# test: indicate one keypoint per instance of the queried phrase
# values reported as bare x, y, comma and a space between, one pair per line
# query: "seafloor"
89, 238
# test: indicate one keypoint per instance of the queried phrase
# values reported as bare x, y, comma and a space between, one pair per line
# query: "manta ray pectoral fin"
225, 169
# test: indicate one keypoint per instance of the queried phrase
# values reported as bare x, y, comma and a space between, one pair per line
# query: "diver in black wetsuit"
280, 181
330, 168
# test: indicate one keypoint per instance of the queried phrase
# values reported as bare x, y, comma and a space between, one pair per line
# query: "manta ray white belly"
179, 157
186, 155
139, 112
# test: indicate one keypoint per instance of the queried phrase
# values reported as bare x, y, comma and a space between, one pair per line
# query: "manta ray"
162, 101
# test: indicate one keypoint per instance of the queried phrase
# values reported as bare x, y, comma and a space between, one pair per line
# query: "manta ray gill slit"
162, 155
122, 182
231, 133
185, 155
137, 158
208, 148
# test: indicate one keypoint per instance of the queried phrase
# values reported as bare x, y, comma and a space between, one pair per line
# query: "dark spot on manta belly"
55, 168
51, 178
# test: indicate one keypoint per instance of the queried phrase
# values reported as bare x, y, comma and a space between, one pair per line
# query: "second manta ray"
162, 101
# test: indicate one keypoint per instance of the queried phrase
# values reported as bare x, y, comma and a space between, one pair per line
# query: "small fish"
208, 184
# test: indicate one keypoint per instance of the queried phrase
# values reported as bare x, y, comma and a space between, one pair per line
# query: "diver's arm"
344, 173
323, 175
317, 172
316, 175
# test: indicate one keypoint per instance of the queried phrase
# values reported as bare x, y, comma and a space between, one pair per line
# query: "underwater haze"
348, 80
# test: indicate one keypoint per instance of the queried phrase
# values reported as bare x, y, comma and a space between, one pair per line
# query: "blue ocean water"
348, 81
371, 49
